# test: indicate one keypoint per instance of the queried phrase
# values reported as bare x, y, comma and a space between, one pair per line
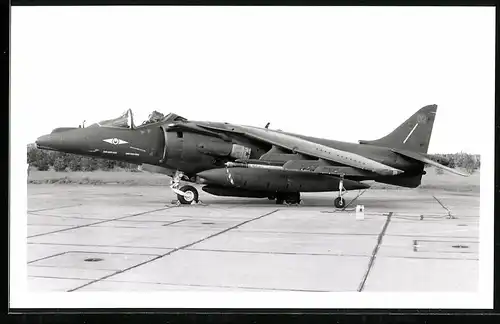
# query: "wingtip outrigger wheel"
293, 198
288, 198
339, 202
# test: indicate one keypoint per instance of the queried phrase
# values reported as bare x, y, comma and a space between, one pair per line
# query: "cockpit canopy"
127, 120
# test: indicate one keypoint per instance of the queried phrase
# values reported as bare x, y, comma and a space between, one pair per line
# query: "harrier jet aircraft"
247, 161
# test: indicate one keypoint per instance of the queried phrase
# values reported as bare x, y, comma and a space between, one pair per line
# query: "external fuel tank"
271, 180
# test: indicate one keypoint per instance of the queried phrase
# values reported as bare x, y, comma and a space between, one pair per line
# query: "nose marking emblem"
115, 141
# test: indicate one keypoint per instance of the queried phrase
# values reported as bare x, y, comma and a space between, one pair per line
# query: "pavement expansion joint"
101, 245
90, 260
52, 225
174, 222
99, 222
281, 253
68, 217
55, 277
296, 248
113, 253
52, 208
374, 253
176, 249
223, 286
307, 233
47, 257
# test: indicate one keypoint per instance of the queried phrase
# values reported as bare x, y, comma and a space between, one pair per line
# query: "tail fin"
412, 135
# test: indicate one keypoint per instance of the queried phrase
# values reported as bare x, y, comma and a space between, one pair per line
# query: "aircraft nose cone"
69, 141
56, 142
46, 141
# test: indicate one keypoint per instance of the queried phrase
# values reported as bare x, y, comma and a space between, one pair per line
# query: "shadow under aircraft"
247, 161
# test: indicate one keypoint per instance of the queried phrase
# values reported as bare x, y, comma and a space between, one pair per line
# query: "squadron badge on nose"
115, 141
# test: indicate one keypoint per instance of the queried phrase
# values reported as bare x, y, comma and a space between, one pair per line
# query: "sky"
343, 73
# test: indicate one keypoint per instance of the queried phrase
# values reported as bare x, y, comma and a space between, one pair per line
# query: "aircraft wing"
302, 146
421, 158
220, 127
313, 166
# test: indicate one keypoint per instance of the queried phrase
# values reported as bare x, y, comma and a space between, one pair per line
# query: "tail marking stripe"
411, 132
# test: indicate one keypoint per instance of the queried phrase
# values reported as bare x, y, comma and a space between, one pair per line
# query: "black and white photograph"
252, 157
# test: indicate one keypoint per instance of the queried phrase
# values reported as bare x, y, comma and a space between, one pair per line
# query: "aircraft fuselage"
194, 153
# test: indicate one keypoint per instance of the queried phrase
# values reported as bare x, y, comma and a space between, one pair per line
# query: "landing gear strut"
339, 202
186, 194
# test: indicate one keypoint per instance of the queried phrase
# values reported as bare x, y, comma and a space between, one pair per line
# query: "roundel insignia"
422, 119
115, 141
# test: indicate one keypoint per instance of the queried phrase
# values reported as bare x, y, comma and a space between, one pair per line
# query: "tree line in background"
469, 162
45, 160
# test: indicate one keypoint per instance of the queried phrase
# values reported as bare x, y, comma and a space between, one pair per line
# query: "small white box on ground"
360, 212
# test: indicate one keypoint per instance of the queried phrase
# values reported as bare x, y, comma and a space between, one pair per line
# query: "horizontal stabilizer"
421, 158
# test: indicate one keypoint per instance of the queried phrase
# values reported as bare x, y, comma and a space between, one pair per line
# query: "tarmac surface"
131, 238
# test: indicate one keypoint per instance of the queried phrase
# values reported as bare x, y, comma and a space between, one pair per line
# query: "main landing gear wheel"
339, 202
186, 194
190, 195
289, 198
293, 198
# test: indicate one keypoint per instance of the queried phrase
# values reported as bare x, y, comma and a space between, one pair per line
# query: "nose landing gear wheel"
339, 202
190, 195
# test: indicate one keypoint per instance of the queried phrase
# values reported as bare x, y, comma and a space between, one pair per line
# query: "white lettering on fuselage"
138, 149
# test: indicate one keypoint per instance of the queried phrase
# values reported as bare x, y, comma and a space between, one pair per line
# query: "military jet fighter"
247, 161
